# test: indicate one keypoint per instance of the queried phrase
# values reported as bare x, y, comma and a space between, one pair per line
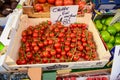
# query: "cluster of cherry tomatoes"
67, 78
52, 43
97, 78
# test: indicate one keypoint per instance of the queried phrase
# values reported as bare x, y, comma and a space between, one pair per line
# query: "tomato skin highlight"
29, 55
36, 48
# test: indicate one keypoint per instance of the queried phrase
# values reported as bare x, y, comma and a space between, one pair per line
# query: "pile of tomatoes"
41, 6
52, 43
98, 78
57, 2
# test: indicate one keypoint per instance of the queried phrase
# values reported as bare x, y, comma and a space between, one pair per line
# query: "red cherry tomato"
81, 4
59, 2
68, 2
41, 1
36, 48
29, 55
89, 78
53, 52
38, 7
105, 78
51, 1
24, 33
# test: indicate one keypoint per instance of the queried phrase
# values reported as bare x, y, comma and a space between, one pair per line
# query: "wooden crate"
103, 54
29, 10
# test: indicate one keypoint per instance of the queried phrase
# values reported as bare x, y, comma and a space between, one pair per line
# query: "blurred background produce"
109, 33
14, 76
85, 6
7, 6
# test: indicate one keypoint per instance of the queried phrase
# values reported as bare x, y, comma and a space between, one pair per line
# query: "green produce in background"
108, 20
117, 34
109, 45
117, 26
103, 21
97, 21
104, 28
112, 40
117, 40
98, 25
111, 30
1, 46
105, 35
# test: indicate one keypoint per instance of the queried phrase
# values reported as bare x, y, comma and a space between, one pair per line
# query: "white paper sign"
65, 14
115, 73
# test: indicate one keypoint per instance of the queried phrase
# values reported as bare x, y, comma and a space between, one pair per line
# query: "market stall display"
29, 39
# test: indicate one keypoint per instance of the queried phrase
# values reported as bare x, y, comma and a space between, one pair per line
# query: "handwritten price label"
115, 73
65, 14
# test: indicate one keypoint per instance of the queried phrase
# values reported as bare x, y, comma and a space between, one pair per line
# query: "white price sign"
65, 14
115, 73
